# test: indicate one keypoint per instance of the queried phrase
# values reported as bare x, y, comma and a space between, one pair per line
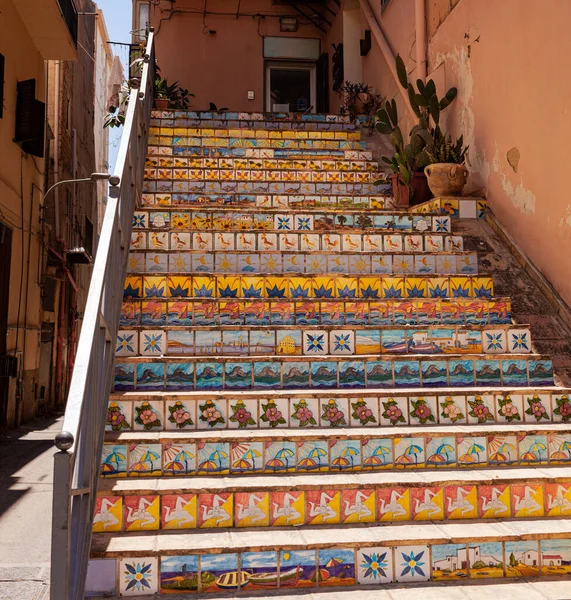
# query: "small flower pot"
446, 179
161, 103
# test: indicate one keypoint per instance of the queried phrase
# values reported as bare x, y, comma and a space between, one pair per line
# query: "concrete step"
346, 205
336, 557
293, 263
277, 451
308, 287
366, 409
345, 499
328, 311
349, 341
324, 371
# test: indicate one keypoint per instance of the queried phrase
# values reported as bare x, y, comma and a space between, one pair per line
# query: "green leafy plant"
214, 108
358, 99
177, 96
448, 152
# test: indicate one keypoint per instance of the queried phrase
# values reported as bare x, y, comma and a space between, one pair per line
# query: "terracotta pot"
417, 193
360, 101
446, 179
161, 103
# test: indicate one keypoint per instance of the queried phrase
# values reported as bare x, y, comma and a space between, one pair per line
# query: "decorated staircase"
303, 371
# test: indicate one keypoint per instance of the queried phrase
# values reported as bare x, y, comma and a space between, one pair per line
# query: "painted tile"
374, 565
179, 414
407, 373
288, 508
323, 507
393, 504
267, 375
561, 408
141, 513
514, 372
452, 409
441, 451
180, 376
540, 372
258, 567
119, 416
394, 411
246, 457
357, 506
519, 341
502, 449
145, 460
304, 412
252, 509
461, 502
480, 409
557, 499
312, 456
148, 415
367, 342
351, 374
555, 557
537, 408
274, 413
280, 457
472, 451
394, 341
494, 501
179, 459
215, 566
138, 576
412, 563
101, 578
522, 558
364, 412
324, 374
533, 449
295, 375
427, 504
288, 342
344, 455
509, 408
409, 452
215, 510
423, 410
179, 574
244, 414
527, 500
449, 562
302, 561
113, 460
336, 567
108, 514
211, 414
306, 313
209, 376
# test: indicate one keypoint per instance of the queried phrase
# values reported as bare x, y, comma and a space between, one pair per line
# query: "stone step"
186, 373
204, 130
349, 206
154, 161
345, 499
263, 153
369, 409
307, 286
279, 452
243, 138
389, 312
257, 262
335, 557
296, 340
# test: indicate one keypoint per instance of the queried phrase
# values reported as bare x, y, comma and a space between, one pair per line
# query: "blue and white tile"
494, 341
315, 343
127, 343
519, 341
138, 576
411, 563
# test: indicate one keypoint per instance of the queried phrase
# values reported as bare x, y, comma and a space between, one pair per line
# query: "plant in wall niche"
358, 99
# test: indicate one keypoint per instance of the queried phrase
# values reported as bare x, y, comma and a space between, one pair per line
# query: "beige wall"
221, 67
21, 185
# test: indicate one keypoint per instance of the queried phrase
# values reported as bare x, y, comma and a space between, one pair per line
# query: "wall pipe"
420, 21
385, 49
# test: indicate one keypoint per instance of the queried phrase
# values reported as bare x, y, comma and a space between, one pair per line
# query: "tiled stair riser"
307, 286
397, 233
304, 411
329, 372
345, 505
342, 567
390, 312
258, 262
308, 341
314, 454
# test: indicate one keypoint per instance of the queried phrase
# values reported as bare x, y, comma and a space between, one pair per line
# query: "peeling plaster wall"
509, 62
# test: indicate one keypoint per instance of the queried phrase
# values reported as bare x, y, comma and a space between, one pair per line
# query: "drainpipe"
385, 49
420, 20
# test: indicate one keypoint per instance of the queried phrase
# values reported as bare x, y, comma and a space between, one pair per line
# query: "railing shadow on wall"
76, 465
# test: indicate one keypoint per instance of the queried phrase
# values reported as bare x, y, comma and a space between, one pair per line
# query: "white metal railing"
76, 465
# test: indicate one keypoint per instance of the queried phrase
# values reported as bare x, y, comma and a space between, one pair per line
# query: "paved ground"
25, 509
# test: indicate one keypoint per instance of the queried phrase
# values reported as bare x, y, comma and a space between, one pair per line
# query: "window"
143, 25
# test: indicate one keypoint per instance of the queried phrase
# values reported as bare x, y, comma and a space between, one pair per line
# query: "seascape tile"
113, 460
323, 374
472, 451
280, 457
312, 456
179, 459
179, 574
409, 452
502, 450
344, 454
150, 376
145, 460
216, 566
336, 567
302, 563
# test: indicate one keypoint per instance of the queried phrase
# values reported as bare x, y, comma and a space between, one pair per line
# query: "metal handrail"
76, 465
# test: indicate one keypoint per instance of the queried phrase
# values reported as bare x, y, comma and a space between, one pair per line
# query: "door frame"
299, 65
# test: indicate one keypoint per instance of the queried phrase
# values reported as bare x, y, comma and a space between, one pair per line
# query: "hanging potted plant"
447, 173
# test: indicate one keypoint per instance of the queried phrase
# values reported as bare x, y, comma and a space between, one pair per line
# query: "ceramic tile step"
279, 153
306, 410
463, 208
353, 205
412, 233
295, 119
307, 286
324, 371
296, 263
218, 133
279, 452
232, 121
296, 340
345, 499
263, 187
334, 558
268, 164
241, 139
389, 312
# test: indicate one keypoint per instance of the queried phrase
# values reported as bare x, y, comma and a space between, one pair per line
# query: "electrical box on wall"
251, 95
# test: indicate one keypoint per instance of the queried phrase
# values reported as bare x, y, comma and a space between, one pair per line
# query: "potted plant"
426, 134
446, 173
358, 99
170, 95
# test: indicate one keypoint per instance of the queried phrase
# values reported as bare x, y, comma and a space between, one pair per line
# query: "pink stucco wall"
221, 67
